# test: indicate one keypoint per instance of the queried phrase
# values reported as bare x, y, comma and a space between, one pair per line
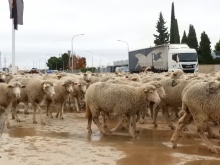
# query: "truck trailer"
162, 58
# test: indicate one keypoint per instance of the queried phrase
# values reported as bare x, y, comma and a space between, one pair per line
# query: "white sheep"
117, 100
62, 90
9, 94
36, 90
200, 103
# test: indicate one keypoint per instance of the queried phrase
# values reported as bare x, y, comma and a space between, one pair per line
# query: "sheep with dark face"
9, 94
201, 104
118, 100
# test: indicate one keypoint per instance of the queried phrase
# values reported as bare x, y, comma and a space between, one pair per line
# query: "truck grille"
188, 66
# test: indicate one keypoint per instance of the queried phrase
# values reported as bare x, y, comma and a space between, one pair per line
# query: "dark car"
34, 70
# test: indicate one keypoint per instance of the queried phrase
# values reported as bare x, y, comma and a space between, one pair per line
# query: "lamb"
117, 100
200, 103
9, 94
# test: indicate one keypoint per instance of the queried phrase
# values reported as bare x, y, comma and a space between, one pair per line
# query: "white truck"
167, 57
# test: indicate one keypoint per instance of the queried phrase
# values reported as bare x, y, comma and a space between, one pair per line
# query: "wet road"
67, 142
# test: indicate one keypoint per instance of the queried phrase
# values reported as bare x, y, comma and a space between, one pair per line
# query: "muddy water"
67, 142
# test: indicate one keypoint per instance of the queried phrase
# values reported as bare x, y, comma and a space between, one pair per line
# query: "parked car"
34, 70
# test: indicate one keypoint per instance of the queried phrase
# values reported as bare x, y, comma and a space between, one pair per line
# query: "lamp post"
72, 47
128, 50
92, 59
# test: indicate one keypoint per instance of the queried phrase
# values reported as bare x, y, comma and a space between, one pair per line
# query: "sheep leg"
131, 126
89, 115
8, 124
14, 112
49, 113
41, 117
151, 104
26, 108
95, 118
120, 122
183, 121
61, 111
76, 104
166, 115
155, 112
34, 114
211, 133
205, 139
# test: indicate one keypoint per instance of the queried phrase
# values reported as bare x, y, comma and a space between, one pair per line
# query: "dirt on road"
66, 142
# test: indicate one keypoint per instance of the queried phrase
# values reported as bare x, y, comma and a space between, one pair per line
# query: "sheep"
9, 94
36, 91
62, 90
200, 103
79, 90
117, 100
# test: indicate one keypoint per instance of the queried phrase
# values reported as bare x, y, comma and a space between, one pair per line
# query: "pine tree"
217, 48
184, 38
163, 36
191, 39
172, 25
176, 33
204, 50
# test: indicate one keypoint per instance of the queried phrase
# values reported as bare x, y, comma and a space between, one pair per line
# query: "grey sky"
49, 26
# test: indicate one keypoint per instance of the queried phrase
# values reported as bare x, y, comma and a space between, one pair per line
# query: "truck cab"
182, 57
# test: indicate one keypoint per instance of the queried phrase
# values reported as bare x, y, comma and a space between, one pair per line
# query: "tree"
191, 39
174, 29
176, 33
217, 48
184, 38
163, 36
172, 25
204, 50
78, 62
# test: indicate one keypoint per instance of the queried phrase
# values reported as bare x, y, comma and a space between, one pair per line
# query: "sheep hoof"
26, 113
13, 117
18, 120
8, 126
155, 125
141, 122
34, 122
43, 123
51, 117
174, 145
90, 131
172, 127
62, 118
185, 129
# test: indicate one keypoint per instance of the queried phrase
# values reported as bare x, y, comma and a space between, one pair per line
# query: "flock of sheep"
125, 96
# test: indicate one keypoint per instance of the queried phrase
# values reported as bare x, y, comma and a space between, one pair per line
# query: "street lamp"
92, 59
128, 50
72, 47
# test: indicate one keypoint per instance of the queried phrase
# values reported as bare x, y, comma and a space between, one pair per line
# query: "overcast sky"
49, 26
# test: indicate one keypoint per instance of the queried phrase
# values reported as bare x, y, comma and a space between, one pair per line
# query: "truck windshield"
187, 57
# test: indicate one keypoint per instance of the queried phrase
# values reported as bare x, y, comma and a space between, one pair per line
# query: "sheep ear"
79, 84
75, 83
148, 91
63, 84
23, 86
85, 74
93, 74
